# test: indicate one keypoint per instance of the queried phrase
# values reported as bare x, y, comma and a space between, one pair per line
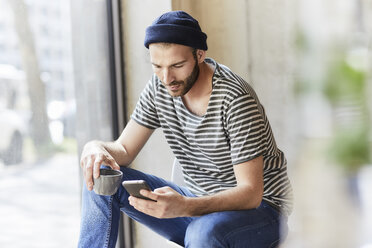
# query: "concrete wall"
271, 37
156, 157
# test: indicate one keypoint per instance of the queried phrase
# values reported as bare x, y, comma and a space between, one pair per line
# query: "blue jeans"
260, 227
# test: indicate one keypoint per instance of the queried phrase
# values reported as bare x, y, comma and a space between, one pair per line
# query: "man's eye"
177, 66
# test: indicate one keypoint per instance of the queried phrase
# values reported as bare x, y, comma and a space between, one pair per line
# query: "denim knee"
204, 232
247, 228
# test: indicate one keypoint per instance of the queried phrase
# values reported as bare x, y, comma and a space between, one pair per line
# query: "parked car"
12, 129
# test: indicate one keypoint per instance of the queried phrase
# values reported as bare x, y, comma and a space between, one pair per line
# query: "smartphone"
134, 186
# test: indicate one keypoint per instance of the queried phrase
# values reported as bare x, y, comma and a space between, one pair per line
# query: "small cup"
108, 182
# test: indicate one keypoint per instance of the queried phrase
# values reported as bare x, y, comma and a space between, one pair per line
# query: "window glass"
39, 168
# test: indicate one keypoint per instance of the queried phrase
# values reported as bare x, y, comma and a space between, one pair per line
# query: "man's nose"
167, 76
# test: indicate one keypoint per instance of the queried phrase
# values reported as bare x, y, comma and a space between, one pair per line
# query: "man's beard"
188, 82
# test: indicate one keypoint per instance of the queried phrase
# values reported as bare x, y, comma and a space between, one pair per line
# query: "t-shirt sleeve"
246, 129
145, 112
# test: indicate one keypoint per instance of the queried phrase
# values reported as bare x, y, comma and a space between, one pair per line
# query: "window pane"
39, 168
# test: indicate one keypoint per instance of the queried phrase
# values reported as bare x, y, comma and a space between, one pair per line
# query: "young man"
237, 186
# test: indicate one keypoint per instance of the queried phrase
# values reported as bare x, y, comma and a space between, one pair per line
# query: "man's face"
176, 66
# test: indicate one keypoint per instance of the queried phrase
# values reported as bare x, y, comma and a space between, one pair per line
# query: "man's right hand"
93, 156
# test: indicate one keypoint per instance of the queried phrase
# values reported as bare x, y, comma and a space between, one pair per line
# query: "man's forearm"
238, 198
246, 195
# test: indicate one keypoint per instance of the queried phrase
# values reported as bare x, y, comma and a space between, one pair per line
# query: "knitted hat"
176, 27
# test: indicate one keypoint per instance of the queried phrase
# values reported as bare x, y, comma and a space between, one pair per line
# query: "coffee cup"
108, 181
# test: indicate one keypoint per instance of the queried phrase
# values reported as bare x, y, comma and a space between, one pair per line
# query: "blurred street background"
40, 203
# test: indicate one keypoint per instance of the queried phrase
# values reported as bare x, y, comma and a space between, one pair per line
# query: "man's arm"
120, 152
246, 195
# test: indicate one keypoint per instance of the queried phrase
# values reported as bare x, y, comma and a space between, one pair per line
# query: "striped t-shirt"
233, 130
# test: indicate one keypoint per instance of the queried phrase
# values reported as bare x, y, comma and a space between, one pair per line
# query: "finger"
89, 174
149, 194
82, 165
82, 162
97, 166
142, 205
112, 163
116, 166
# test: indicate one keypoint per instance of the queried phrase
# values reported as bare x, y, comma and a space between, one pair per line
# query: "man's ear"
200, 55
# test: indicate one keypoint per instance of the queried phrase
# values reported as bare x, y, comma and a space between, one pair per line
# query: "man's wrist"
188, 206
197, 206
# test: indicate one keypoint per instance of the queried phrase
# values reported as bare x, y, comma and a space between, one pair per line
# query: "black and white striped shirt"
233, 130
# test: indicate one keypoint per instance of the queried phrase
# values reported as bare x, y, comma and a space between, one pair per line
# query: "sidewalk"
40, 203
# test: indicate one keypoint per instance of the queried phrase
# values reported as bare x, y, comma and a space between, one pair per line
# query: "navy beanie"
176, 27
